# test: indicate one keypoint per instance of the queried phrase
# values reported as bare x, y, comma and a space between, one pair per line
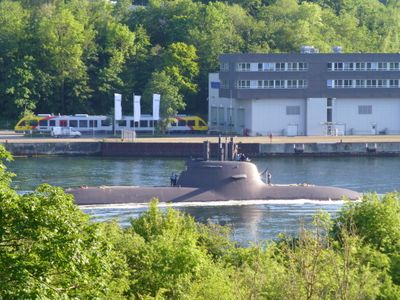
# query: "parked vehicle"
64, 132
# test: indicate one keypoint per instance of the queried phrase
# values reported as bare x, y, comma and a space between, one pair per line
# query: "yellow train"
185, 123
43, 123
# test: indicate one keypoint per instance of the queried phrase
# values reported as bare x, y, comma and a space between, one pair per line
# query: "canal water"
251, 221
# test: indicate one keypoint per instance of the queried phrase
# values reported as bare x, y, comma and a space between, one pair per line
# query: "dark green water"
255, 222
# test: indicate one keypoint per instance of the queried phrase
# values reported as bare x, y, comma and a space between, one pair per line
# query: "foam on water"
215, 203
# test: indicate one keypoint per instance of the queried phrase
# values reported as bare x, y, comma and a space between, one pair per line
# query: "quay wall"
37, 149
183, 149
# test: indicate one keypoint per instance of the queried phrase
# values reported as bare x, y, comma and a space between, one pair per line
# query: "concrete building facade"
306, 94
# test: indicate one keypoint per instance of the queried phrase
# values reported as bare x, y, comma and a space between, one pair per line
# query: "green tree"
16, 65
50, 249
60, 38
377, 221
171, 100
114, 46
180, 63
163, 255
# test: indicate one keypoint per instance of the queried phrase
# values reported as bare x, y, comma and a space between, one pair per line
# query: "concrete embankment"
61, 148
195, 149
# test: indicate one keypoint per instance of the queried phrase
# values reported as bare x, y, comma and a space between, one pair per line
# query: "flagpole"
134, 129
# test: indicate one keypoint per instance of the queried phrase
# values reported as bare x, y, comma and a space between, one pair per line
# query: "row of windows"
221, 117
362, 110
107, 122
363, 83
268, 67
132, 124
272, 84
150, 123
303, 66
75, 123
364, 66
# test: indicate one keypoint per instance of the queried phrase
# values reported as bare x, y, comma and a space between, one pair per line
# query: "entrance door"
374, 129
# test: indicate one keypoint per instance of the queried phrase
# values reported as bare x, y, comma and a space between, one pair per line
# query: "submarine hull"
120, 195
205, 181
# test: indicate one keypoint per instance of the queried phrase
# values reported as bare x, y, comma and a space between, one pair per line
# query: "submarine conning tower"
217, 174
226, 173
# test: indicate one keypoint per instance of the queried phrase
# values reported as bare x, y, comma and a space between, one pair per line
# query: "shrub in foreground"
50, 249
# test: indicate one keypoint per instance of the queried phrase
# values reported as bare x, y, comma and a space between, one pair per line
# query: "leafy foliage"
172, 100
377, 221
71, 56
49, 249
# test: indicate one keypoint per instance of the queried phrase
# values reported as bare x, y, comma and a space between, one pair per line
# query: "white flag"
117, 107
156, 107
136, 108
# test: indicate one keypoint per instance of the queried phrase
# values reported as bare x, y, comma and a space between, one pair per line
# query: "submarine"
207, 180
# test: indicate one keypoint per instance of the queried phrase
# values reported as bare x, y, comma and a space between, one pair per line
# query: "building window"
224, 84
303, 66
291, 84
329, 110
269, 66
394, 66
360, 66
365, 109
143, 124
243, 84
382, 66
394, 83
242, 67
240, 117
293, 110
292, 66
279, 66
214, 116
302, 83
230, 116
347, 83
360, 83
224, 67
279, 84
221, 116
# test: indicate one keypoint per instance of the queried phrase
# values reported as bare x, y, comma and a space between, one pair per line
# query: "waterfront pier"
193, 146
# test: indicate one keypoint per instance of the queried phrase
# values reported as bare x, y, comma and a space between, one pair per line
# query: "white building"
306, 94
